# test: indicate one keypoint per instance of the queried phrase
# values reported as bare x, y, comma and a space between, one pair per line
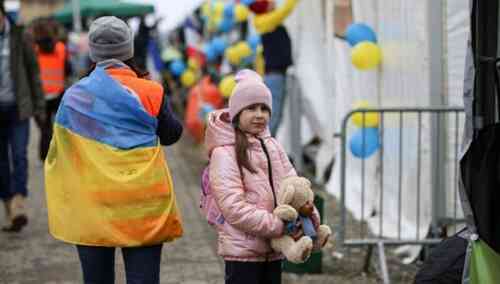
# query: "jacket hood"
220, 131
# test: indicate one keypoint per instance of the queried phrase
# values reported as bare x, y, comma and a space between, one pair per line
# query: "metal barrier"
442, 129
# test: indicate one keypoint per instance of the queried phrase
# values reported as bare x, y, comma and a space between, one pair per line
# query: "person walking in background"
21, 97
277, 50
55, 70
246, 168
106, 177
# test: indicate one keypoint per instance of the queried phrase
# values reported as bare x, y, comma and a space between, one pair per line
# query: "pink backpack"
207, 202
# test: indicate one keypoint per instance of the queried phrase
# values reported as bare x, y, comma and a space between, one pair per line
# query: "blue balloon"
229, 10
205, 110
254, 41
219, 45
226, 25
247, 2
249, 60
358, 32
210, 52
177, 67
364, 142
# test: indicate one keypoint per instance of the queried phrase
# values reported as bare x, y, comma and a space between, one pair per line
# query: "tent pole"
77, 20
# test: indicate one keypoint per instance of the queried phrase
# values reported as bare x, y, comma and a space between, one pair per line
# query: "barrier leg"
383, 263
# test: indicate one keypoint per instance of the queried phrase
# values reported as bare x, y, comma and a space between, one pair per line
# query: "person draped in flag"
106, 175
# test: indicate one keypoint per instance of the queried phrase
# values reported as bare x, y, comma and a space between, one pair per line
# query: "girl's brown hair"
241, 146
130, 63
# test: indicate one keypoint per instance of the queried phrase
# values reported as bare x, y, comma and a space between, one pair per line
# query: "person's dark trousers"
238, 272
46, 128
142, 264
14, 136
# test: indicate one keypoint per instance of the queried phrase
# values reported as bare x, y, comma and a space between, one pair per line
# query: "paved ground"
33, 256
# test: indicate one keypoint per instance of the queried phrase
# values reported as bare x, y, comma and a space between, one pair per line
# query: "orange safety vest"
52, 70
149, 92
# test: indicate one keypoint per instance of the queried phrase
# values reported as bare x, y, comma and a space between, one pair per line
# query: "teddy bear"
303, 234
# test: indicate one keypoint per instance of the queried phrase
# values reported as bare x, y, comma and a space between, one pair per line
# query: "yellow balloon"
241, 13
188, 78
260, 64
218, 9
226, 86
371, 119
206, 9
213, 23
243, 49
366, 55
193, 63
232, 55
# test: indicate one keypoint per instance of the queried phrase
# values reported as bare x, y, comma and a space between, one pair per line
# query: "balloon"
243, 49
232, 55
226, 25
210, 52
193, 63
254, 41
366, 55
177, 67
247, 2
364, 142
219, 45
358, 32
170, 54
371, 119
229, 10
205, 110
206, 9
249, 60
226, 86
241, 13
188, 78
218, 8
260, 6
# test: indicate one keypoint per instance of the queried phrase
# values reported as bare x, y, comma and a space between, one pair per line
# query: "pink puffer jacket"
246, 205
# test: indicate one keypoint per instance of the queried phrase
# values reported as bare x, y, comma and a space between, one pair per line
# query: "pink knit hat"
249, 90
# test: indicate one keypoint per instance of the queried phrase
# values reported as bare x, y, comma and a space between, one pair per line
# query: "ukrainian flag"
106, 176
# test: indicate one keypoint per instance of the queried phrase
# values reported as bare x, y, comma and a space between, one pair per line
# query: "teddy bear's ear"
286, 194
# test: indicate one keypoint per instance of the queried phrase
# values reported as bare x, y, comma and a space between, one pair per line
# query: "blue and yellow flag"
106, 177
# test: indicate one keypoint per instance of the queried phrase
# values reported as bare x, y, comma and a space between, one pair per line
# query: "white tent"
332, 85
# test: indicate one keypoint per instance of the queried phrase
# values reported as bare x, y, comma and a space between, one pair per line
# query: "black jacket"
277, 50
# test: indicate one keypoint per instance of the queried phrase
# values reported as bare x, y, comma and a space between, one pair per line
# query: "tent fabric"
480, 168
96, 8
484, 264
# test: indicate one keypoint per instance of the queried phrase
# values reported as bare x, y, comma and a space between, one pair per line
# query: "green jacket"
25, 75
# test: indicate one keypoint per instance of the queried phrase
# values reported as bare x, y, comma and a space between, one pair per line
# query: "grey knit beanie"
110, 37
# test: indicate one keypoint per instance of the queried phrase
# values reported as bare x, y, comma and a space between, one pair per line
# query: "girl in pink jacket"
246, 168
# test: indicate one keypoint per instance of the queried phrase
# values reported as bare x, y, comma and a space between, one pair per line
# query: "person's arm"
33, 74
169, 128
229, 194
268, 22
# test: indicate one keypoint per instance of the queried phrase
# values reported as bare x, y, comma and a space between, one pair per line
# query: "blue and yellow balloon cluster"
366, 54
222, 17
365, 140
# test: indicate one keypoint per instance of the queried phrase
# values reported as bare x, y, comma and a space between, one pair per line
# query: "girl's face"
254, 119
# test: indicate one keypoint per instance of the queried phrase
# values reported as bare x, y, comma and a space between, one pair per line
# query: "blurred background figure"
277, 51
55, 69
21, 97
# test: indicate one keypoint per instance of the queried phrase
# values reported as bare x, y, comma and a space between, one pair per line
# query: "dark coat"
25, 75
